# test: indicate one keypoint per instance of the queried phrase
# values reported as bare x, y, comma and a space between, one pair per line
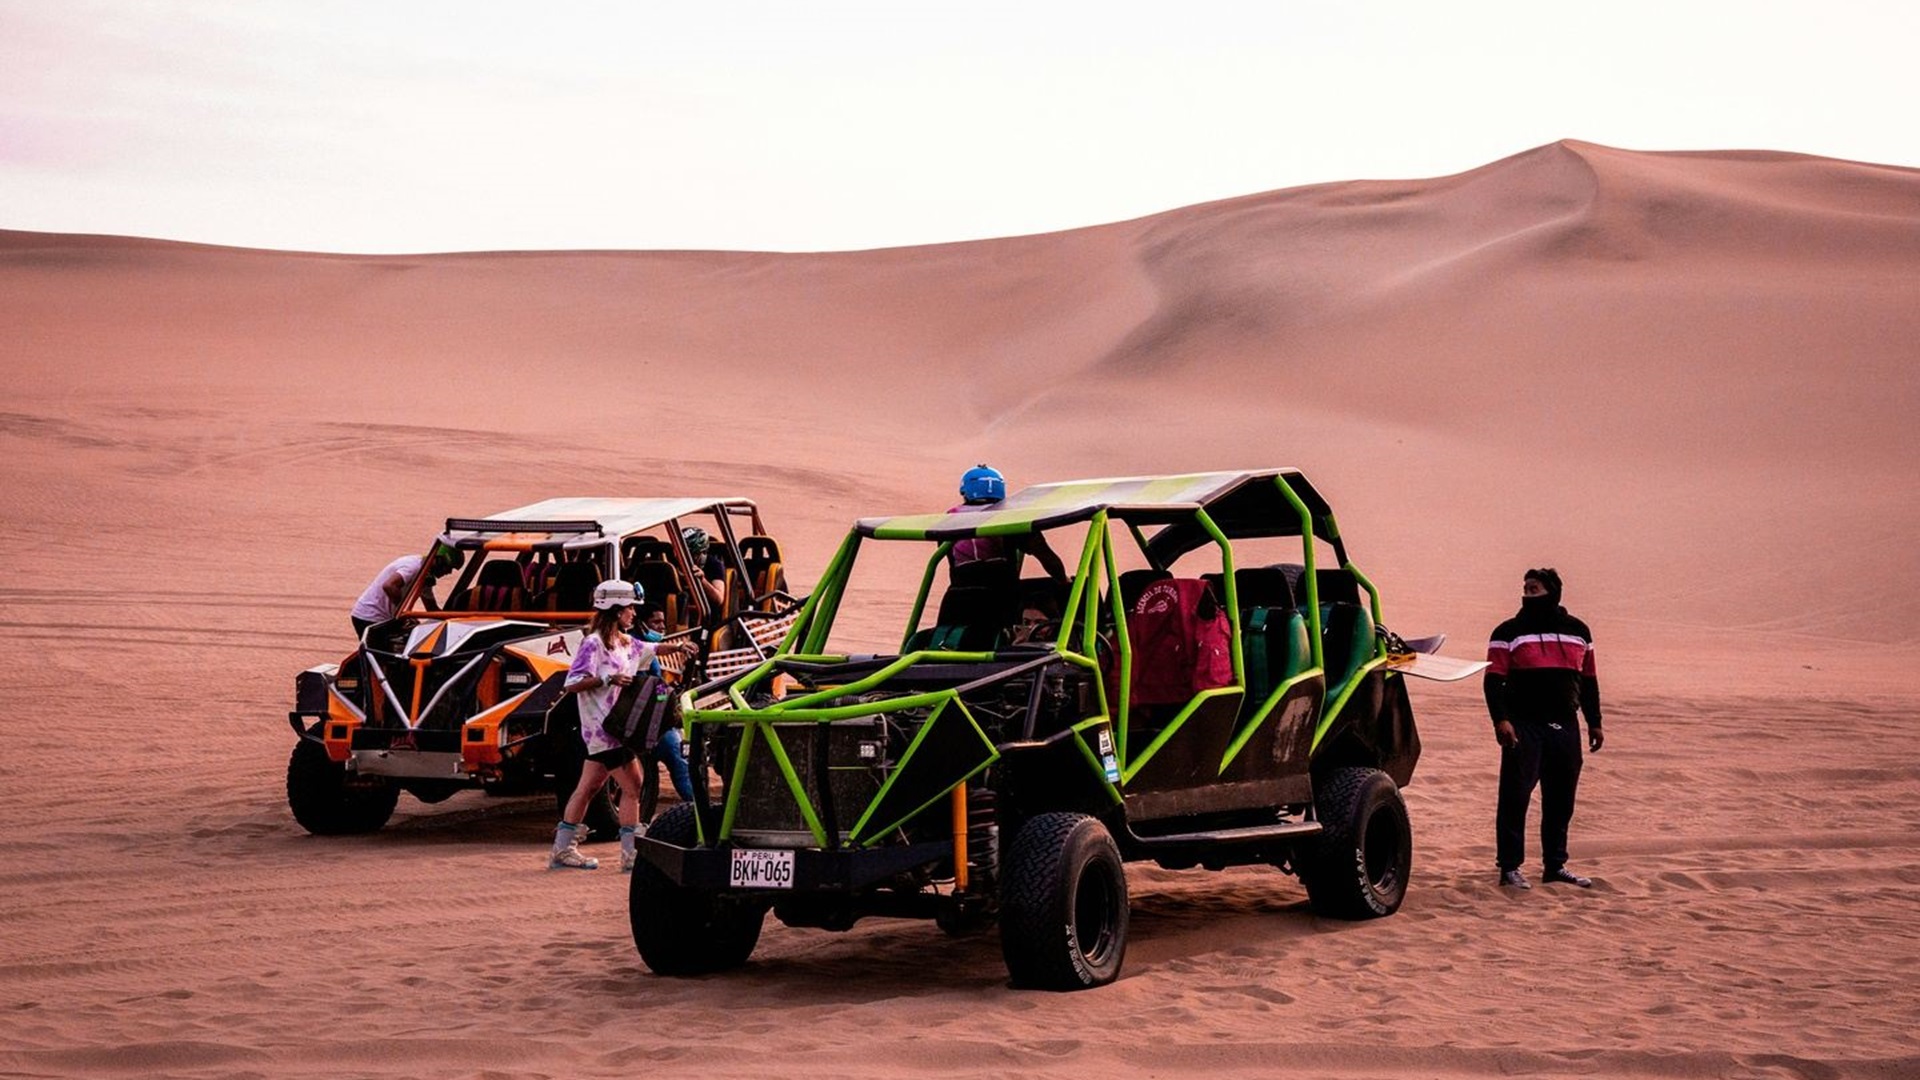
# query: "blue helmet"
983, 484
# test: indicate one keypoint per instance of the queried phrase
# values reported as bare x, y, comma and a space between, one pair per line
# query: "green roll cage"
1075, 644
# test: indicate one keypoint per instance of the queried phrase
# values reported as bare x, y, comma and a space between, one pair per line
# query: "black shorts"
613, 758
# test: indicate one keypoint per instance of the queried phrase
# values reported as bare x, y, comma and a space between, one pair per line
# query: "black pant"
1548, 757
359, 625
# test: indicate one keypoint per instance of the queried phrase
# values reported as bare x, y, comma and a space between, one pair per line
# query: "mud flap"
1374, 730
1397, 740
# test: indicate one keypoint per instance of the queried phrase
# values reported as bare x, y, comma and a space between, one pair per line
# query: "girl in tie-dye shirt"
608, 659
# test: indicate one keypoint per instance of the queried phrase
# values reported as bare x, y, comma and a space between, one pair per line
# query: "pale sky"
392, 126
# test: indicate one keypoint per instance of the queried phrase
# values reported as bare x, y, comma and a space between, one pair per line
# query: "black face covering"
1538, 607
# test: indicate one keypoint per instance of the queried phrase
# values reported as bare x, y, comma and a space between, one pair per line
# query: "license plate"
753, 869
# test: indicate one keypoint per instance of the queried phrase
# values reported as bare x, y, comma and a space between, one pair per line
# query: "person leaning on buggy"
992, 564
380, 600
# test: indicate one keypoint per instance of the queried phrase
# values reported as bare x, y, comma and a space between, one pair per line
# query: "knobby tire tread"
1032, 936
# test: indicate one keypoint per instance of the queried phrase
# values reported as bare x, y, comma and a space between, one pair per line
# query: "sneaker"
627, 859
569, 858
1566, 877
1514, 879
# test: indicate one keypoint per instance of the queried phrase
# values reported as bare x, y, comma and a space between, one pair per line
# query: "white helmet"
616, 594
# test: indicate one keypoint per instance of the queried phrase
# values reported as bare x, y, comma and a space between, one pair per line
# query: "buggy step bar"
1252, 834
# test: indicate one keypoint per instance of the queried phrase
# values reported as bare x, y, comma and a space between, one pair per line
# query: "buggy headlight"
515, 675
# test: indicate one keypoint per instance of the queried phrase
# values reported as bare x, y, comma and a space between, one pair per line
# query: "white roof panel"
616, 517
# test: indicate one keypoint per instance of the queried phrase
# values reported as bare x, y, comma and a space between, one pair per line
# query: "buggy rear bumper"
408, 764
709, 869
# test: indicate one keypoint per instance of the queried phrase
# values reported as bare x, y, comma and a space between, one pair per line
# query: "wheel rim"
1380, 851
1093, 913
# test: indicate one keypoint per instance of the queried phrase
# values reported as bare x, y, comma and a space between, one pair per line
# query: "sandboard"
1426, 644
1433, 666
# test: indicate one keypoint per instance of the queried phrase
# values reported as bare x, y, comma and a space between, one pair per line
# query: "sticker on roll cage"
1109, 764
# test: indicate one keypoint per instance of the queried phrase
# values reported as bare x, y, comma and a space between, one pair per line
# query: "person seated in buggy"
711, 574
992, 564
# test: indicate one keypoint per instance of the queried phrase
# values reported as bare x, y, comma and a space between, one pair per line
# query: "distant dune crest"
1652, 361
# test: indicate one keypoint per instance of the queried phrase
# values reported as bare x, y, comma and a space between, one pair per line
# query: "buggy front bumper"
710, 869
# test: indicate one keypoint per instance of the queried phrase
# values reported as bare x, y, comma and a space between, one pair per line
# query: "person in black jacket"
1539, 672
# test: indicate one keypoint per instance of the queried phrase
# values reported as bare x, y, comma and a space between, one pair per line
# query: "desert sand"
1688, 380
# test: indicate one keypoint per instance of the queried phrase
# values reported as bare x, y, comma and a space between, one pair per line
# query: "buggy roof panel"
1255, 502
575, 516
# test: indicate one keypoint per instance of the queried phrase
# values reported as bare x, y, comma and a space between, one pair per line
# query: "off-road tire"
1357, 868
325, 803
602, 818
682, 931
1063, 904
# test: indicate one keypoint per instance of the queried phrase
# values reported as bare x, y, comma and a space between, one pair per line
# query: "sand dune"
1686, 379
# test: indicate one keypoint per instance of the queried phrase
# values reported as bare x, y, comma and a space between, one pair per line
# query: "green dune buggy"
1210, 688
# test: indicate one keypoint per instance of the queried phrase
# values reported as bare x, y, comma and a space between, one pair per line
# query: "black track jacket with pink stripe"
1540, 667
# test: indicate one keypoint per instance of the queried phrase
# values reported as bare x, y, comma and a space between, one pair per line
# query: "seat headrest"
981, 573
1337, 586
573, 586
975, 605
1263, 586
500, 572
645, 549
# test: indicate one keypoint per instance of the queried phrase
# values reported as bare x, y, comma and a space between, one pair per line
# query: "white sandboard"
1436, 667
1426, 644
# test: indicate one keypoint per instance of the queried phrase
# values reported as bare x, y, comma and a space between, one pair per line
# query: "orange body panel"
341, 722
486, 693
480, 736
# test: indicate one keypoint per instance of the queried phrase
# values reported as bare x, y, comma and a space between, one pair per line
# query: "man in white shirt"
381, 600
